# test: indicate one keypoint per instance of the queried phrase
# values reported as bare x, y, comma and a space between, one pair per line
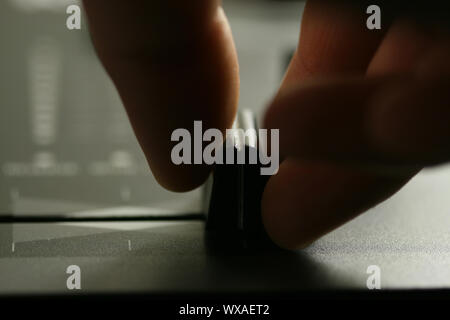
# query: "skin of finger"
130, 28
324, 119
436, 60
389, 121
404, 46
166, 85
333, 40
306, 200
279, 220
413, 121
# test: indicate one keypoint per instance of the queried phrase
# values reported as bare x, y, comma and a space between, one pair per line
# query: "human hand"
359, 111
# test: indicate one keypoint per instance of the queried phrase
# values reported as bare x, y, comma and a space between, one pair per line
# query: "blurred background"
66, 145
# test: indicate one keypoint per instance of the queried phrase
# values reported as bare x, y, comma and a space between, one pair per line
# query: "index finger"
173, 62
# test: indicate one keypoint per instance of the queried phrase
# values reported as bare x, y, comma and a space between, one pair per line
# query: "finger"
334, 40
306, 200
379, 122
411, 122
333, 119
325, 119
172, 62
401, 49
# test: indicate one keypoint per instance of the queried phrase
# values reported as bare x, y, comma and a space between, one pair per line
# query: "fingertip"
277, 208
277, 227
182, 178
306, 200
